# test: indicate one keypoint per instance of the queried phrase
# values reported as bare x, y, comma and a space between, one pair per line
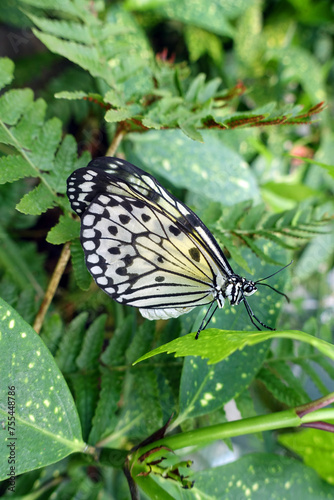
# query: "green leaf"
213, 168
6, 71
66, 230
17, 265
141, 405
325, 166
39, 200
12, 105
262, 476
63, 29
259, 252
52, 332
282, 392
316, 449
92, 344
14, 167
71, 95
46, 144
64, 6
154, 490
115, 99
296, 192
86, 395
190, 130
215, 19
300, 65
194, 88
70, 344
235, 252
85, 56
201, 42
82, 276
205, 388
64, 164
46, 419
106, 414
118, 115
216, 345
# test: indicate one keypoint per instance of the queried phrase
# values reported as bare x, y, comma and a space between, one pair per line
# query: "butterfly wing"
143, 246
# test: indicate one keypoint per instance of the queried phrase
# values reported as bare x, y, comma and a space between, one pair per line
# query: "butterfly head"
238, 288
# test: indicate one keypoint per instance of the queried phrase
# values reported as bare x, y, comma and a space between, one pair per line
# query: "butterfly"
147, 249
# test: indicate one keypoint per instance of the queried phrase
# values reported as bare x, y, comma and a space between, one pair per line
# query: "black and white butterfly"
147, 249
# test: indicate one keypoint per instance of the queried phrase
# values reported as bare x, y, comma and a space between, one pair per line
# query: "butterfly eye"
249, 289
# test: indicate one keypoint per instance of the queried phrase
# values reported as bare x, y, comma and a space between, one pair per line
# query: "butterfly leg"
206, 321
252, 315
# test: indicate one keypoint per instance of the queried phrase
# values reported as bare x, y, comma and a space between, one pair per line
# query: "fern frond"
37, 151
244, 222
70, 344
163, 97
92, 344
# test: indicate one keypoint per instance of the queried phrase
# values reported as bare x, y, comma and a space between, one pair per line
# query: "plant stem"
120, 133
54, 282
202, 437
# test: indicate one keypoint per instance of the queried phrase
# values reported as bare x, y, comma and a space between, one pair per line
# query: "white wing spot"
96, 270
90, 220
96, 209
102, 280
93, 258
89, 245
88, 233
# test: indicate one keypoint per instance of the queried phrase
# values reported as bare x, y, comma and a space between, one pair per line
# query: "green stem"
202, 437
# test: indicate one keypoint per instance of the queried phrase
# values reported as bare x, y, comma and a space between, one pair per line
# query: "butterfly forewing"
117, 176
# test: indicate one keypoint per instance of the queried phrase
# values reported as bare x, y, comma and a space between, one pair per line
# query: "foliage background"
174, 69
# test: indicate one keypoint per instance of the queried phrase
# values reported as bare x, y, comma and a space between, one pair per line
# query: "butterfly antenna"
272, 288
277, 291
270, 275
206, 321
252, 315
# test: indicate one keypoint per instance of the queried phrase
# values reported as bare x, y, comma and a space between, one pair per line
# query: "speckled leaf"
213, 168
257, 476
315, 447
205, 388
47, 426
214, 19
